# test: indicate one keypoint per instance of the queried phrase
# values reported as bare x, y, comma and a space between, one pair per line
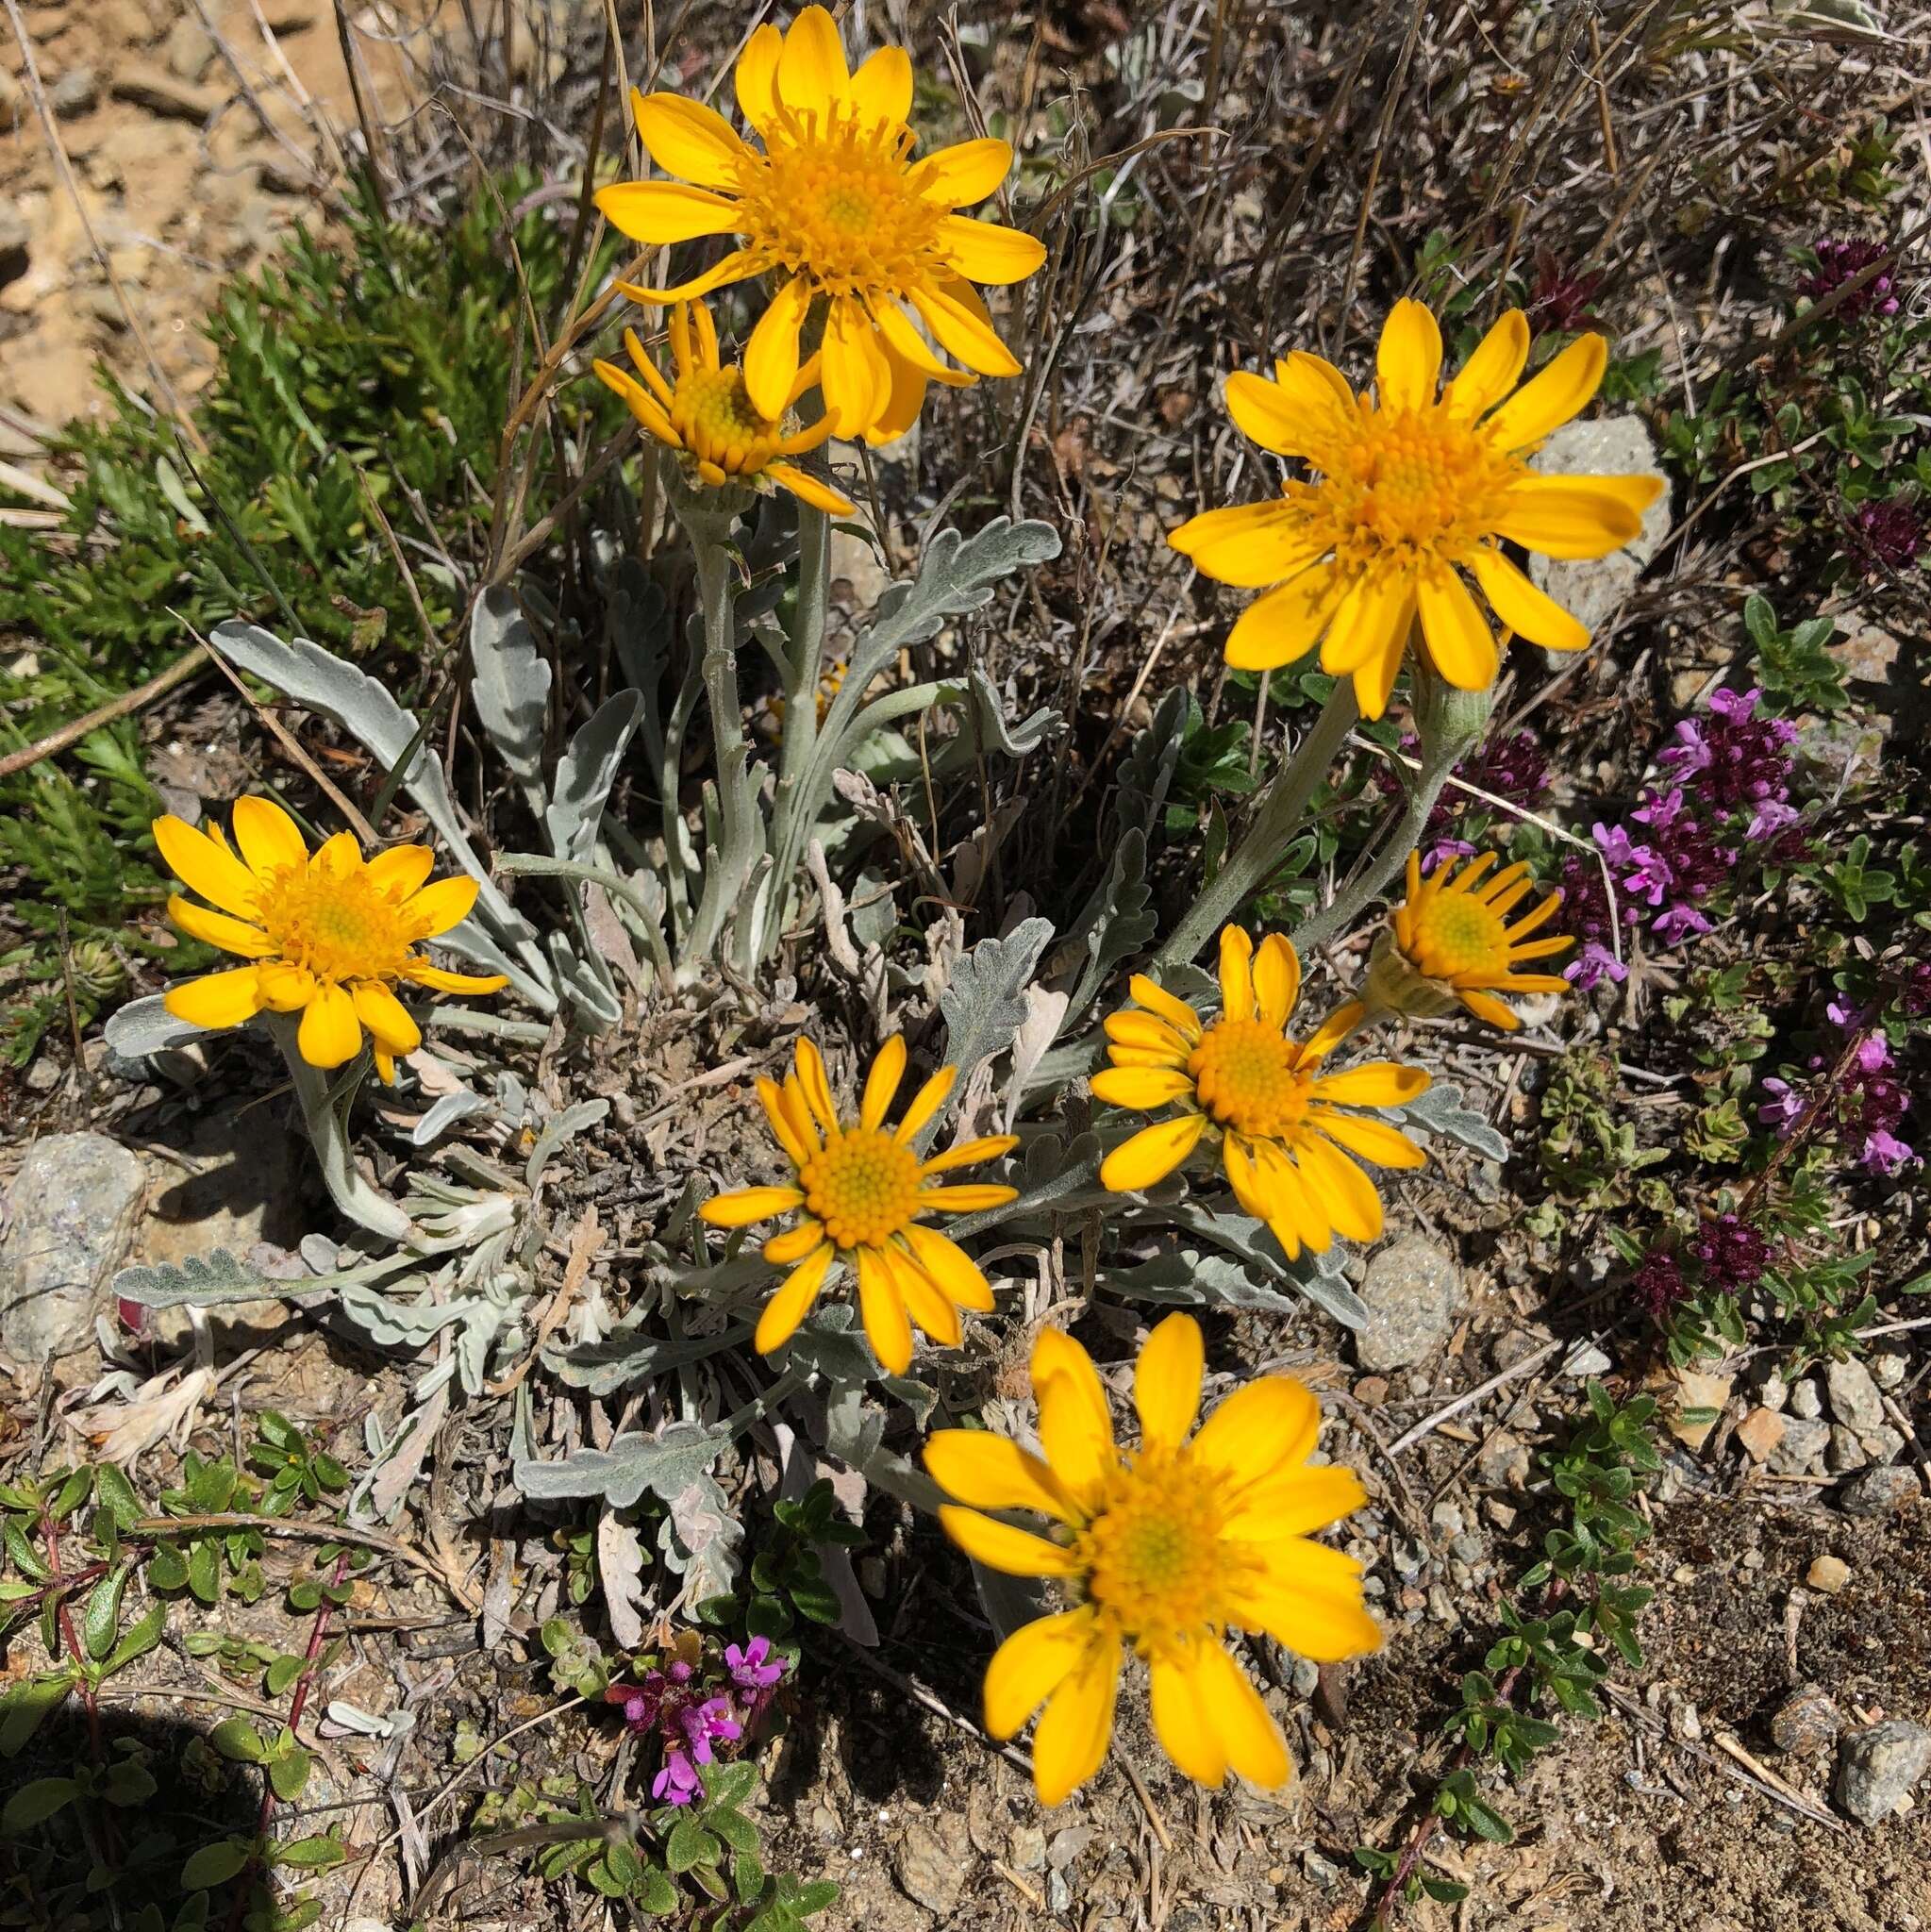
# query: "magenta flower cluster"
1840, 259
1865, 1098
1727, 788
1886, 536
1513, 768
1725, 1254
690, 1716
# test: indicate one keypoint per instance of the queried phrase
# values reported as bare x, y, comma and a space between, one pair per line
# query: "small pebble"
1828, 1574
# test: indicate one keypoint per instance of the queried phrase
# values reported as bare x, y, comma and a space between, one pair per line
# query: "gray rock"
1802, 1447
1888, 1371
188, 50
1028, 1848
1881, 1444
1068, 1846
1806, 1720
1878, 1769
1879, 1491
1503, 1461
1845, 1452
1413, 1292
1587, 1360
1806, 1401
1853, 1397
75, 92
1772, 1392
73, 1212
1592, 589
927, 1872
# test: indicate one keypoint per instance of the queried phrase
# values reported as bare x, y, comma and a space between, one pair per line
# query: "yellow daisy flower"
832, 206
1411, 488
1452, 941
1279, 1119
1163, 1551
864, 1192
708, 416
328, 937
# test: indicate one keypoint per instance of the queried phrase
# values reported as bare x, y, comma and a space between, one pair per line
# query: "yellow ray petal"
881, 89
1373, 1139
444, 905
1308, 1598
962, 176
1142, 1087
1070, 1743
329, 1034
1493, 368
206, 867
1236, 974
1408, 359
973, 1198
807, 489
1379, 1083
218, 929
747, 1205
771, 356
755, 78
958, 1277
1176, 1013
813, 1083
439, 979
1000, 1546
660, 213
1261, 1430
1152, 1154
1295, 1503
785, 1250
799, 1148
811, 72
1461, 644
1187, 1733
1249, 545
969, 1154
217, 999
882, 1308
685, 137
1552, 396
881, 1083
1167, 1381
989, 1472
1346, 1195
1075, 1421
1287, 623
399, 872
1526, 611
925, 1103
735, 267
1032, 1663
988, 252
1149, 1030
928, 1308
856, 378
1575, 516
1249, 1736
792, 1300
269, 837
390, 1023
957, 318
1277, 979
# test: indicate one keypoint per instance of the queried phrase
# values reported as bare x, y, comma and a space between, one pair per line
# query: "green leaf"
689, 1844
318, 1854
215, 1864
29, 1705
732, 1826
102, 1617
115, 1494
237, 1740
654, 1892
289, 1773
204, 1571
34, 1804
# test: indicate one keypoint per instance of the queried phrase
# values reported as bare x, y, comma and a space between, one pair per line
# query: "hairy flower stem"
324, 1116
740, 838
1449, 721
1282, 807
805, 666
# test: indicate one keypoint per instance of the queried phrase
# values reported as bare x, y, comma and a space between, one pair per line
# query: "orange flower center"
1456, 932
1156, 1562
833, 200
713, 413
1422, 484
1247, 1076
339, 927
864, 1187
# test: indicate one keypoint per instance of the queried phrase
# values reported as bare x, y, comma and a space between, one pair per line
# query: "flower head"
1843, 259
1451, 941
709, 418
1162, 1550
752, 1667
861, 1193
1411, 488
832, 206
1285, 1139
1886, 536
329, 935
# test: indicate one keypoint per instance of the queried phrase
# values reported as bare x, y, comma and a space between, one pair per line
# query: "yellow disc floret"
1247, 1075
339, 927
864, 1187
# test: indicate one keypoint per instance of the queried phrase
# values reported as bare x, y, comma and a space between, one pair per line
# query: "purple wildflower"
1886, 536
1659, 1284
1513, 768
1586, 917
1842, 258
678, 1782
1732, 1253
1914, 995
1560, 300
750, 1668
1783, 1109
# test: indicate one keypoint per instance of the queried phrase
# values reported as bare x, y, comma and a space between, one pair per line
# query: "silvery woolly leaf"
208, 1280
1146, 772
1117, 923
1190, 1279
700, 1539
560, 1130
984, 1005
1057, 1179
444, 1114
145, 1026
510, 688
1317, 1276
1439, 1110
831, 1345
585, 774
398, 1324
990, 728
665, 1464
